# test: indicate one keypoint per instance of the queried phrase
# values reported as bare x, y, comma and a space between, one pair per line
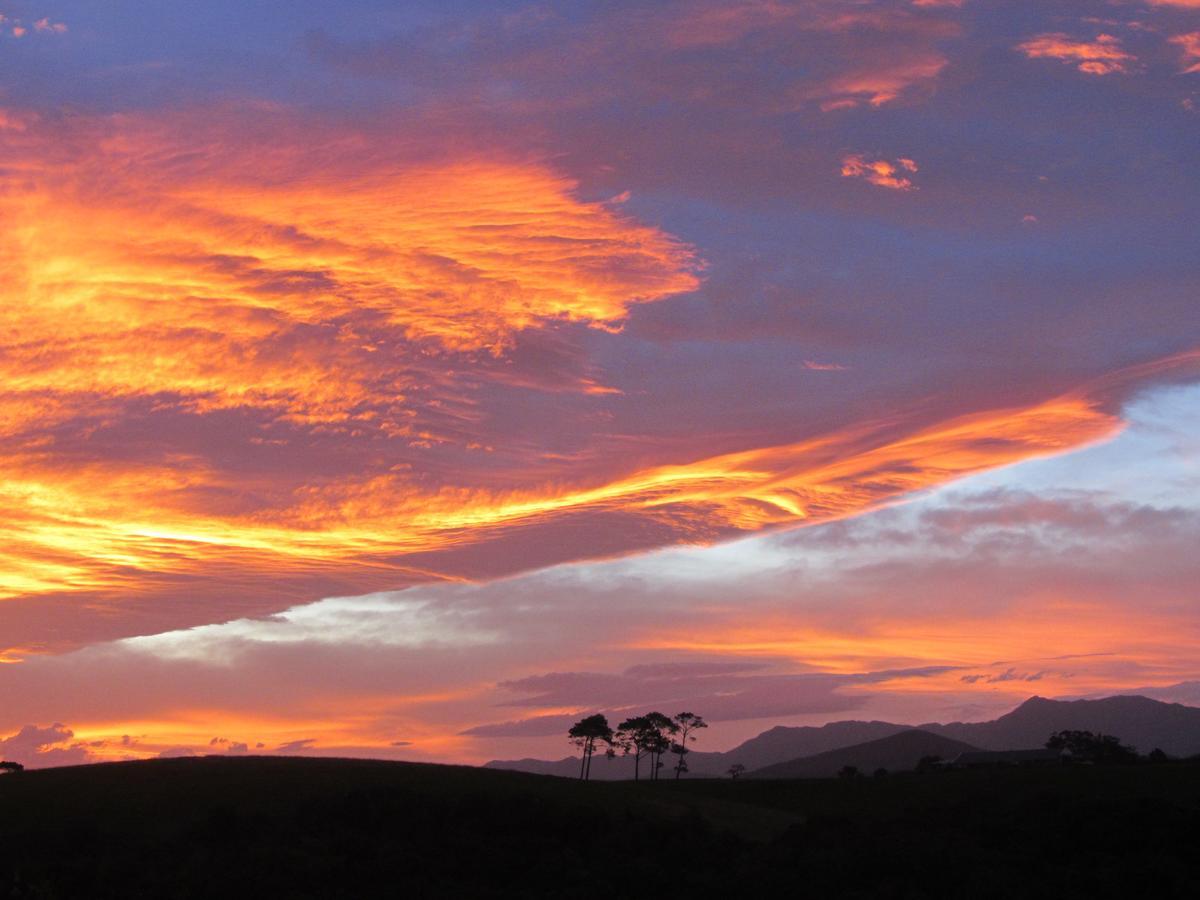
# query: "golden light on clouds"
272, 294
881, 172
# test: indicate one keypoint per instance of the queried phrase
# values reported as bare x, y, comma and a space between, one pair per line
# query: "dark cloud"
292, 746
720, 692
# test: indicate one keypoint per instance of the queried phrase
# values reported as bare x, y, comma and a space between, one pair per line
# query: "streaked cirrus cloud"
512, 317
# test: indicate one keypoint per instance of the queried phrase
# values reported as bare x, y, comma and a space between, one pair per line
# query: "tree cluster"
650, 736
1084, 746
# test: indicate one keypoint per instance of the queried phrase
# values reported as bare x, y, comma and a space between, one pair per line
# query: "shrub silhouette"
10, 767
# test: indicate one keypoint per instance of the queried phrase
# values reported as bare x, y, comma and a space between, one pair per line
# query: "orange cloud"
880, 172
103, 529
324, 300
1190, 43
1103, 56
252, 370
1058, 642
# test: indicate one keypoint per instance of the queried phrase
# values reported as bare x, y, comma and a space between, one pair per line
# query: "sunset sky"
409, 379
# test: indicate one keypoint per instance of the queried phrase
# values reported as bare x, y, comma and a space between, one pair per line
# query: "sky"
409, 380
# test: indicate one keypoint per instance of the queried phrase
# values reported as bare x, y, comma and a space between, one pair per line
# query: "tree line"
649, 737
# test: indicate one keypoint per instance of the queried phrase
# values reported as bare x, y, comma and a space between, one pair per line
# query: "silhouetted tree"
1096, 748
685, 724
10, 767
880, 773
848, 773
735, 770
584, 734
1157, 756
658, 745
664, 728
648, 736
631, 738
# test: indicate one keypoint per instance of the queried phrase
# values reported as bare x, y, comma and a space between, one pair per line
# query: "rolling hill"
313, 829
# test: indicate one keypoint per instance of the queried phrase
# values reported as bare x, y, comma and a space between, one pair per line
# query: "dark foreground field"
349, 828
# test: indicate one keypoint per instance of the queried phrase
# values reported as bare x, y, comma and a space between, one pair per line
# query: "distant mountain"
777, 744
1139, 721
603, 768
1185, 692
783, 743
896, 753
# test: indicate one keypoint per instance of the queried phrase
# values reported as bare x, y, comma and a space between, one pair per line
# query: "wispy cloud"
1190, 44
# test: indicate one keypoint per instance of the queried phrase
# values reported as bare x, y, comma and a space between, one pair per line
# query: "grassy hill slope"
351, 828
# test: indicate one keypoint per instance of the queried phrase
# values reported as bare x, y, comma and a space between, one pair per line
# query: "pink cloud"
11, 121
38, 747
880, 83
45, 26
1103, 56
42, 26
1190, 43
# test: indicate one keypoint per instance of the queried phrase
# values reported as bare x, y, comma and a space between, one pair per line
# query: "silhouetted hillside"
1139, 721
896, 753
323, 828
603, 769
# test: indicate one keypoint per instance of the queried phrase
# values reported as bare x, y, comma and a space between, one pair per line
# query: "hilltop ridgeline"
1141, 722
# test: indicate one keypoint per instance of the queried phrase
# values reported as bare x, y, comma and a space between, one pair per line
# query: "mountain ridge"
1142, 722
899, 752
